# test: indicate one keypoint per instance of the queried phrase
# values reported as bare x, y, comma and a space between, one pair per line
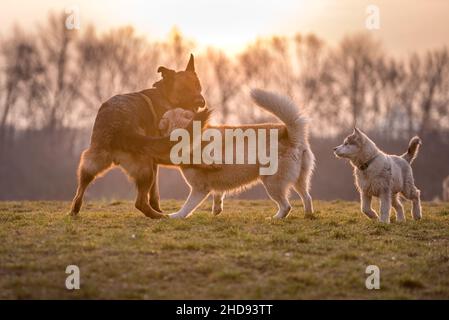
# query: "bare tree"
434, 74
114, 62
222, 81
355, 74
176, 48
59, 83
22, 65
315, 82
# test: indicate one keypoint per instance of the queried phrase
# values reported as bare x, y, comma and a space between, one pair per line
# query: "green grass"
241, 254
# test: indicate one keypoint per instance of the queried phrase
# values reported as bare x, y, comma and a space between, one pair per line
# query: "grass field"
240, 254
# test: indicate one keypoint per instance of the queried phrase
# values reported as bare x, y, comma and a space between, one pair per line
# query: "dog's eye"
346, 143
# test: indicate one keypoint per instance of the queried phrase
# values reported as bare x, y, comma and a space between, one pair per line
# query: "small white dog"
381, 175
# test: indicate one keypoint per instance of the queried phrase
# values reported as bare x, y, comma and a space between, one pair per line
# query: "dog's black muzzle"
199, 103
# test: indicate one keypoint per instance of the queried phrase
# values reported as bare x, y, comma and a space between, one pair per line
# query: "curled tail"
287, 111
413, 148
155, 147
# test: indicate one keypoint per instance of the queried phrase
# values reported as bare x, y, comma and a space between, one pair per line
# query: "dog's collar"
365, 165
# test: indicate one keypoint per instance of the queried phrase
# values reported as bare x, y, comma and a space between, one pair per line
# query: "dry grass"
240, 254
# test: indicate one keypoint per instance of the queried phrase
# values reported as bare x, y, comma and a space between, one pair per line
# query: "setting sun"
231, 24
211, 23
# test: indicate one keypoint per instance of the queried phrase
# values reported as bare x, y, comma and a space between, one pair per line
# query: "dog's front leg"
385, 206
217, 206
154, 197
196, 197
366, 206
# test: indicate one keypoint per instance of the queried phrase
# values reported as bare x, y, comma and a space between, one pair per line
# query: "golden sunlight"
225, 24
230, 24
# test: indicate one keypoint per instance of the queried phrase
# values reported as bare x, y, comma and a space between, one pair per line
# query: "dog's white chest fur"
376, 179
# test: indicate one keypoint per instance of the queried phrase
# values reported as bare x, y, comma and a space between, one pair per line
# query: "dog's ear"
188, 114
191, 64
163, 124
357, 131
166, 73
358, 135
167, 81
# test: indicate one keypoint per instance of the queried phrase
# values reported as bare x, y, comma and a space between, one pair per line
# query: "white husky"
381, 175
295, 160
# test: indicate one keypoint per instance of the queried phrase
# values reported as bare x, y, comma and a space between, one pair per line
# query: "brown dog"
293, 162
136, 113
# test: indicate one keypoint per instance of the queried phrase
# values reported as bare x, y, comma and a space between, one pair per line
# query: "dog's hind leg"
366, 206
217, 206
302, 188
143, 181
196, 197
142, 173
92, 163
416, 204
385, 206
154, 190
412, 193
397, 205
278, 192
302, 185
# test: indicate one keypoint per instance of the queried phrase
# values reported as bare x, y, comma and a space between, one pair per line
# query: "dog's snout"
200, 102
335, 149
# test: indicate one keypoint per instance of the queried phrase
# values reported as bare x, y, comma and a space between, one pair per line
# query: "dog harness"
150, 106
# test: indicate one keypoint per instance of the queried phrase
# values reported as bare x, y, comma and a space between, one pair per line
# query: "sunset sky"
230, 24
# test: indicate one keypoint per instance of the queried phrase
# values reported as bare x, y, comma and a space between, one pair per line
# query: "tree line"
53, 80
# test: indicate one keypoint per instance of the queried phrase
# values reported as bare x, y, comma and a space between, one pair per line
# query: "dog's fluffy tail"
155, 147
413, 148
287, 111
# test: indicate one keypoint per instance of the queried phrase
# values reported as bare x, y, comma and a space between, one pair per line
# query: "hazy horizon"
231, 25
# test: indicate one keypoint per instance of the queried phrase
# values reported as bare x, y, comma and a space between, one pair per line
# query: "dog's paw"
217, 210
156, 215
310, 216
384, 220
157, 209
371, 215
73, 214
176, 215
